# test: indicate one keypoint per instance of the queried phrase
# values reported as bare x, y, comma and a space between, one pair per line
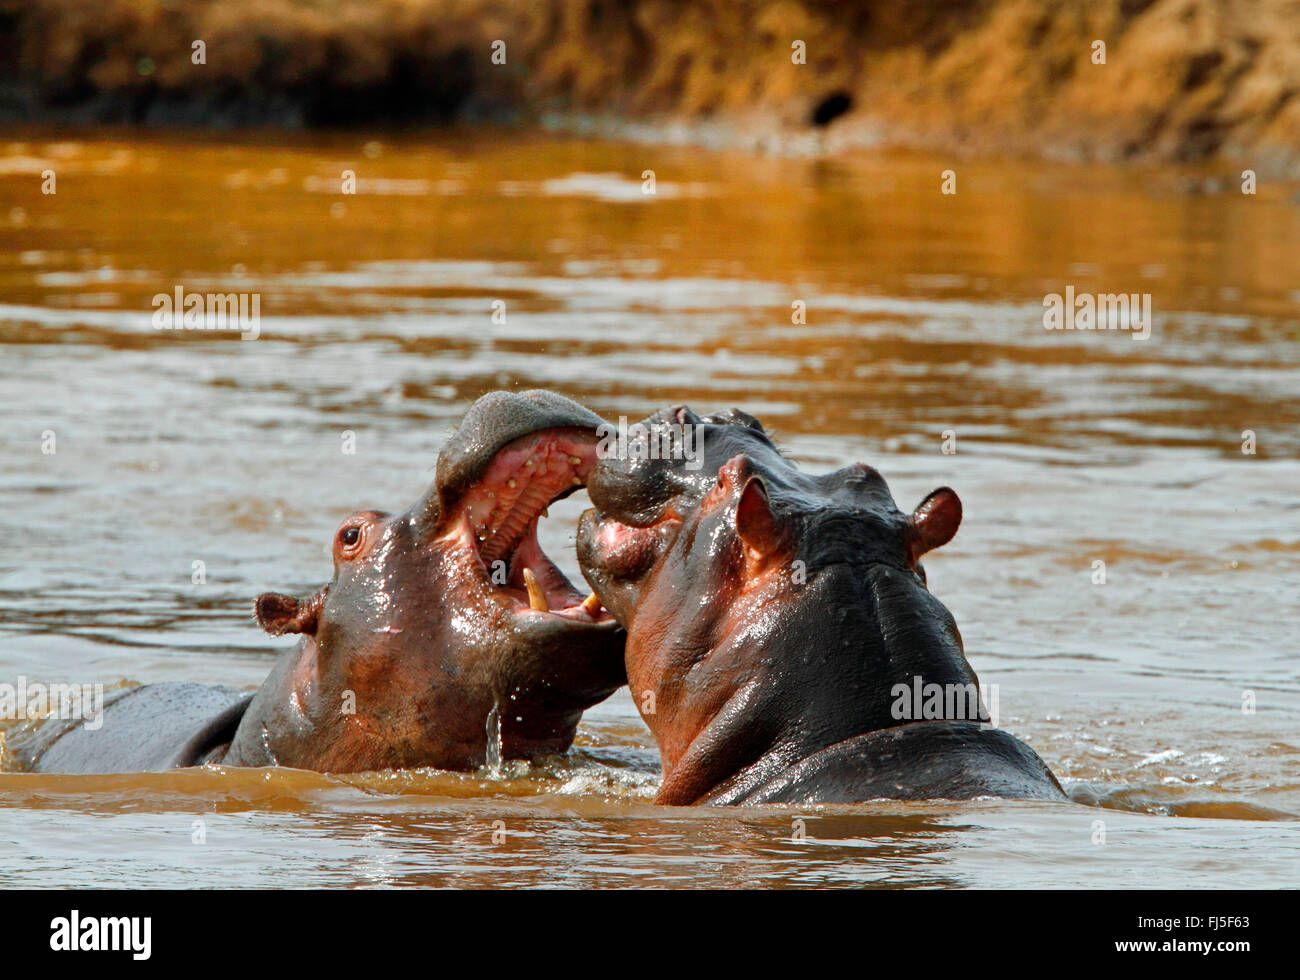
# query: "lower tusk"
536, 597
591, 604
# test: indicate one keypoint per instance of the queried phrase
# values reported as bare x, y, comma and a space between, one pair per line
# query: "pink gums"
503, 509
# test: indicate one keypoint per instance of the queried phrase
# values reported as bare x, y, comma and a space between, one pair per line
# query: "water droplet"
494, 741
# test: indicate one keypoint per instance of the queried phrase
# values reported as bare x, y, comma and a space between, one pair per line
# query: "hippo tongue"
545, 585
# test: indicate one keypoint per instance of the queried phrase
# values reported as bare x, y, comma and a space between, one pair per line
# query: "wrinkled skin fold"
435, 619
771, 616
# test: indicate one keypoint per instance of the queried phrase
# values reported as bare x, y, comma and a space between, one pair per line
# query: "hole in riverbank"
831, 107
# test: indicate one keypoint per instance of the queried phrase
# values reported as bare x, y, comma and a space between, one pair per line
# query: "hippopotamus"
439, 623
779, 622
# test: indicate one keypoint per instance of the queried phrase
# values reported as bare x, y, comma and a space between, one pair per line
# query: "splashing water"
493, 764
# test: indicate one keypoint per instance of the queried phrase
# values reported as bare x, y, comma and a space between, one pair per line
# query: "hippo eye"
351, 536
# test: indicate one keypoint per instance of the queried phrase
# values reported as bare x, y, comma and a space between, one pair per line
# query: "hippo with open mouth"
775, 619
436, 621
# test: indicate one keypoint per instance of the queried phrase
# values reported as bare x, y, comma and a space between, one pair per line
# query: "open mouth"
501, 513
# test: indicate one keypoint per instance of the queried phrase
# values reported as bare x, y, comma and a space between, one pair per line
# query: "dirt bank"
1181, 79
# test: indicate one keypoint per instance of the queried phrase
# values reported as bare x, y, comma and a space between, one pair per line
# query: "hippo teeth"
591, 604
500, 514
536, 597
518, 504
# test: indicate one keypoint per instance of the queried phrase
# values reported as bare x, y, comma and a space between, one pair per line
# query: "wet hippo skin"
771, 616
154, 727
435, 620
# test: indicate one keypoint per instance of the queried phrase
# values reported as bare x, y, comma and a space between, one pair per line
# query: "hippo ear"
278, 613
933, 523
755, 522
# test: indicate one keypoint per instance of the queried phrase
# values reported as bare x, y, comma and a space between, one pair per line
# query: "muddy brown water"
1166, 699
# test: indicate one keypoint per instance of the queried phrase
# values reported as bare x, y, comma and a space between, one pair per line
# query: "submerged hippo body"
774, 618
152, 727
436, 620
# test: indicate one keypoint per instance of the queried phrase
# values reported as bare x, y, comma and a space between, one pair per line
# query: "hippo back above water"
774, 619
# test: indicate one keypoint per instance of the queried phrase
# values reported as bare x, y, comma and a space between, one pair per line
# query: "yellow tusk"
536, 597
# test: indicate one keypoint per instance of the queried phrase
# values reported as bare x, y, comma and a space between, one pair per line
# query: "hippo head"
445, 616
769, 612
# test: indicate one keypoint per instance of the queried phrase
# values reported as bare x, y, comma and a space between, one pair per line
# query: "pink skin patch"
500, 515
623, 547
613, 537
303, 679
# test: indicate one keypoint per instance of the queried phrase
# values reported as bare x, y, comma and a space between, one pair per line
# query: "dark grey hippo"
779, 625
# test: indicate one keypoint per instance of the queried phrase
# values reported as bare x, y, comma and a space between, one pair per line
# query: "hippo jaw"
493, 524
509, 460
